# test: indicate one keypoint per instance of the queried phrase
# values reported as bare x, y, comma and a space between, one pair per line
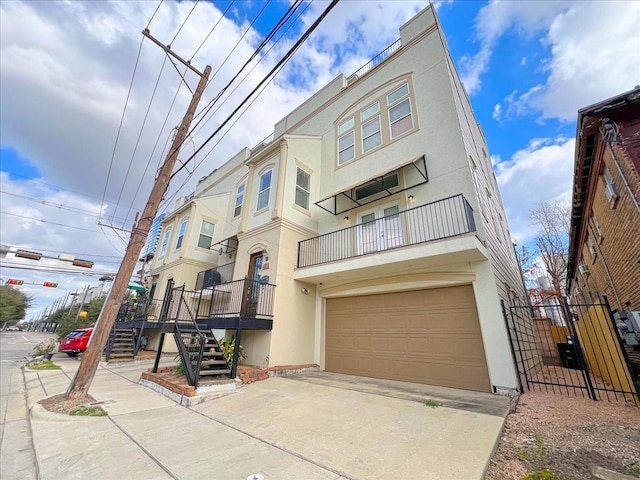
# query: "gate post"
513, 353
584, 368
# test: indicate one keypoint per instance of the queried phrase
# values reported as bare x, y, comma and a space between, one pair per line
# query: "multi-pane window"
165, 242
371, 135
596, 224
264, 189
239, 200
303, 185
400, 118
181, 232
610, 189
346, 141
206, 234
591, 246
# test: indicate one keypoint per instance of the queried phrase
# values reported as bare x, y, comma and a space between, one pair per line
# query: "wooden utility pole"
80, 384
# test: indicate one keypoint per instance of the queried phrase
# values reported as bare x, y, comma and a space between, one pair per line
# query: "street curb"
209, 392
38, 412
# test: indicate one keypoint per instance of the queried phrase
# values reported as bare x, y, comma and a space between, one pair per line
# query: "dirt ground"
58, 404
562, 438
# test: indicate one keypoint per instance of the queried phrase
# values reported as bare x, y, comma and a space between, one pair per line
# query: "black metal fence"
571, 348
445, 218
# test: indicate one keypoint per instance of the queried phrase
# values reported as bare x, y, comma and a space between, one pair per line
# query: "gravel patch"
567, 436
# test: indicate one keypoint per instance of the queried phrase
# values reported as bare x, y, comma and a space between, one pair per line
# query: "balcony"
443, 219
245, 303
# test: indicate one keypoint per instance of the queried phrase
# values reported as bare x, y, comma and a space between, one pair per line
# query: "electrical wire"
60, 206
126, 103
51, 223
195, 4
144, 122
53, 269
154, 13
281, 62
212, 29
70, 253
205, 122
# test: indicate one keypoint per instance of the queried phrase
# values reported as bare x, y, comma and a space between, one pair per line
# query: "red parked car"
76, 342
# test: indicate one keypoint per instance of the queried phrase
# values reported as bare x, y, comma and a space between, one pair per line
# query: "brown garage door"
423, 336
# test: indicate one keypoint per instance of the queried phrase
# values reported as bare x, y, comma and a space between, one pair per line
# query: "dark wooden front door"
252, 285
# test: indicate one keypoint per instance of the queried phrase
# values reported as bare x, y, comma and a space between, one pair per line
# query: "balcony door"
380, 229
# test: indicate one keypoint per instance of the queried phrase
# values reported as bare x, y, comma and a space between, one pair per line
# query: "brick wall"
618, 250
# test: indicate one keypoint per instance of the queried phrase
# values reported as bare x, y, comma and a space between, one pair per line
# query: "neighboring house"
153, 238
604, 250
369, 227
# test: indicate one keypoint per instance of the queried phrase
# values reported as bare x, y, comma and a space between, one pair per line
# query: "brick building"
604, 250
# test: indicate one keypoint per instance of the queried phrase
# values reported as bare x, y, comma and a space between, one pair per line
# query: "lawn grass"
44, 365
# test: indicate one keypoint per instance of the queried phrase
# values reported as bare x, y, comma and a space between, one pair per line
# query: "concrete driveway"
363, 428
315, 426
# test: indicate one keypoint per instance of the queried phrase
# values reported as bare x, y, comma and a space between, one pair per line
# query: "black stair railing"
190, 341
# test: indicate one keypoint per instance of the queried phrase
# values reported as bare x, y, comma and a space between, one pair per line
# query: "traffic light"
13, 281
28, 254
82, 263
48, 284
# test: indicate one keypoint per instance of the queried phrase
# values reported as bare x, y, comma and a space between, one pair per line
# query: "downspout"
284, 150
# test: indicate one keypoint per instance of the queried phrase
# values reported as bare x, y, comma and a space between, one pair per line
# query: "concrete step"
213, 362
220, 371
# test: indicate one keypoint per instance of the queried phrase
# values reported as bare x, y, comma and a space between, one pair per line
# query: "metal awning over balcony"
375, 188
228, 245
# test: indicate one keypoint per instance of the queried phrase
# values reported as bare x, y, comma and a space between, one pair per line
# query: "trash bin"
568, 355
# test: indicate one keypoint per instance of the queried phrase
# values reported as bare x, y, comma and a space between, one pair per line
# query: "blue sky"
528, 66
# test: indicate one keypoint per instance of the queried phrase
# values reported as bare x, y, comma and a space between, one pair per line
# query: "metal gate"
571, 348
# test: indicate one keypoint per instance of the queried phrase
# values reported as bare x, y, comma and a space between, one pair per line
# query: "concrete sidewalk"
275, 429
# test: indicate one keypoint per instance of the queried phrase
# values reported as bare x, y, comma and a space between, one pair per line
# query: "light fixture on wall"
305, 290
411, 198
346, 219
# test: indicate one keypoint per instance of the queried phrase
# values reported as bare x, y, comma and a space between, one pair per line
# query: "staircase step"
212, 354
213, 362
220, 371
121, 355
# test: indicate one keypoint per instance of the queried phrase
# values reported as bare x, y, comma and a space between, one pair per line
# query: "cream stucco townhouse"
366, 235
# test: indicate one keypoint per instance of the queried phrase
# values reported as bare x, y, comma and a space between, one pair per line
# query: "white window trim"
410, 114
308, 192
166, 237
244, 194
180, 239
201, 234
268, 190
349, 132
378, 132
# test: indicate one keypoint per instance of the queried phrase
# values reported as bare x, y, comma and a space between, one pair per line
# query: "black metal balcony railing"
215, 276
434, 221
374, 61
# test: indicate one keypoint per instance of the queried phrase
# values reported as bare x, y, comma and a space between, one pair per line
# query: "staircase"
121, 344
200, 354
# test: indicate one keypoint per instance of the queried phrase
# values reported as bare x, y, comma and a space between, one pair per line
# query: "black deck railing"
374, 61
241, 298
433, 221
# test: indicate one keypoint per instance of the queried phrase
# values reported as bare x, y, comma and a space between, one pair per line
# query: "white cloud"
595, 54
63, 88
541, 171
497, 112
496, 19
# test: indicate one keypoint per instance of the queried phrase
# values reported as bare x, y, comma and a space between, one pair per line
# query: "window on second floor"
303, 186
371, 133
610, 189
591, 246
400, 117
264, 190
596, 225
206, 234
165, 241
346, 141
239, 200
181, 232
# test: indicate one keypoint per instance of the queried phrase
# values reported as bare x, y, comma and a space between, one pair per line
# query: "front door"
380, 230
252, 284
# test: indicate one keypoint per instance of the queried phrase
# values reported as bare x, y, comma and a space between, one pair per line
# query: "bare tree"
553, 240
527, 260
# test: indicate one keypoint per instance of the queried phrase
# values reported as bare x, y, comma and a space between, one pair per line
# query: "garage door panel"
427, 336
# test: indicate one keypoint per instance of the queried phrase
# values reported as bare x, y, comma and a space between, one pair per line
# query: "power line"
154, 13
53, 269
60, 206
51, 223
70, 253
184, 22
126, 102
211, 31
281, 62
